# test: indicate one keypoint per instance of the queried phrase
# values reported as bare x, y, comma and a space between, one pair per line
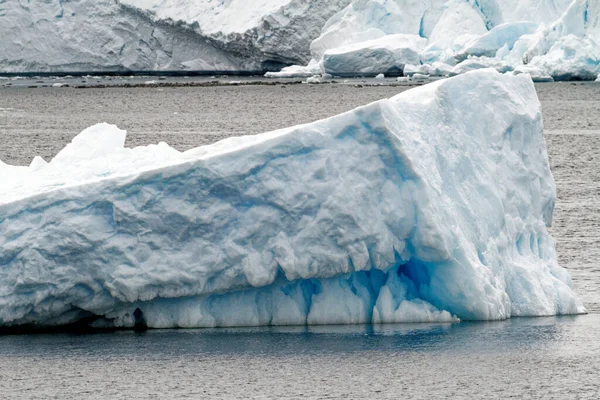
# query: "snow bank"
429, 206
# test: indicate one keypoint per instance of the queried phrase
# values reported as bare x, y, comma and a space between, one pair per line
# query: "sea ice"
429, 206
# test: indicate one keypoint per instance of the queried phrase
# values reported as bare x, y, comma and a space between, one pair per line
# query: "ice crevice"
416, 208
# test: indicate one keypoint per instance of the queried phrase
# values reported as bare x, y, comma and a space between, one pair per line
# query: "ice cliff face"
556, 39
429, 206
112, 35
547, 38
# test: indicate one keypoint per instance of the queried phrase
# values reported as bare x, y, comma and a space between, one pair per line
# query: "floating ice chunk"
446, 220
537, 74
411, 69
297, 71
440, 69
571, 57
380, 76
419, 77
388, 54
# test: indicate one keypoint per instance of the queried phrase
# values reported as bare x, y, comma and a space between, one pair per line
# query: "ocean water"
552, 358
523, 358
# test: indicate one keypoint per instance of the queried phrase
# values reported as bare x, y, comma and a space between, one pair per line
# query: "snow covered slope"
109, 35
429, 206
557, 38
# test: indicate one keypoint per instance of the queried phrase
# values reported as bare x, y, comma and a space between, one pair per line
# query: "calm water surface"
523, 358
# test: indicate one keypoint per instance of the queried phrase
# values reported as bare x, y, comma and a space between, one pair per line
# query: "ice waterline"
429, 206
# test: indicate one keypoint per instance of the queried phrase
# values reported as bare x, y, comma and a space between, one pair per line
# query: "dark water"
523, 358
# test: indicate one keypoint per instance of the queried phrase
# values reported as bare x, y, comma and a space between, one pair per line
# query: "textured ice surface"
429, 206
388, 54
108, 35
297, 71
559, 38
207, 35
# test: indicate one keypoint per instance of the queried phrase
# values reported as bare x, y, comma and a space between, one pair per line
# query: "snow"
447, 220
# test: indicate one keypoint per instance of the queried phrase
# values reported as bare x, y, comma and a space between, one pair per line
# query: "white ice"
108, 35
388, 54
429, 206
558, 38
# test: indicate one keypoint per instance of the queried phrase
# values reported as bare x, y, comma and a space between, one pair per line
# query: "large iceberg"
429, 206
556, 39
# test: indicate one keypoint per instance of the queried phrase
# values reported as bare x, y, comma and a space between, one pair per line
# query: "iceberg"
387, 55
537, 75
429, 206
570, 58
297, 71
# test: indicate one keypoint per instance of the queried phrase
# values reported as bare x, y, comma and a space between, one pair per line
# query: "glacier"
557, 39
58, 36
554, 39
432, 205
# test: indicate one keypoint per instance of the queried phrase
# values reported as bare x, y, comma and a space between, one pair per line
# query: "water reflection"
476, 337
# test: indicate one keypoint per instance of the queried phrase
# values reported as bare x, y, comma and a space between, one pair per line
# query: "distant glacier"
547, 39
149, 35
